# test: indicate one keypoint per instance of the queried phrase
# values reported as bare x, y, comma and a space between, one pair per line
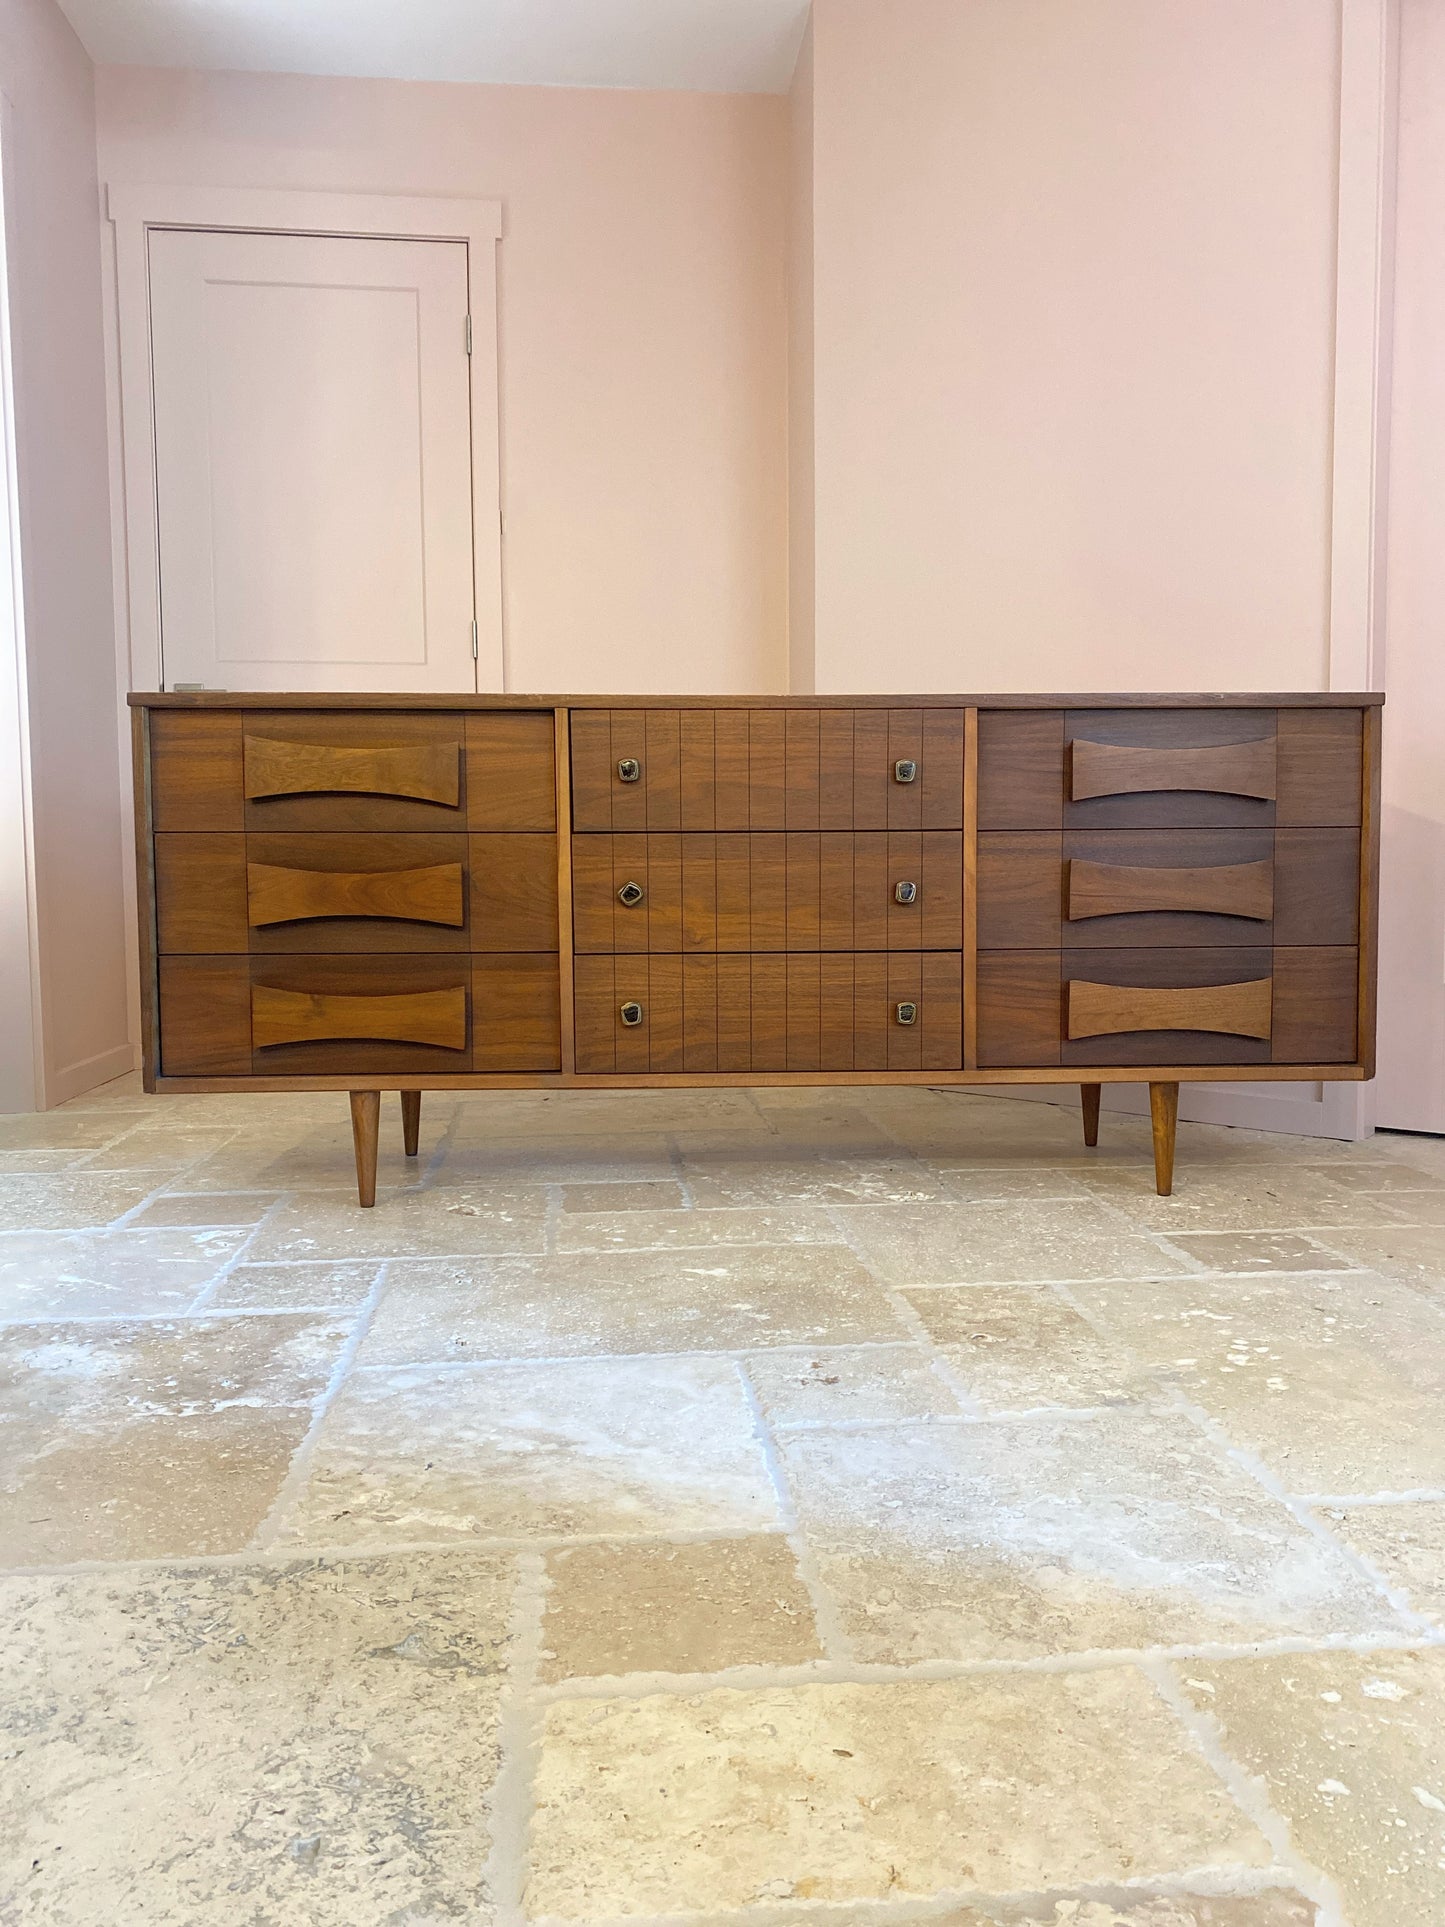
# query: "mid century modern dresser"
370, 893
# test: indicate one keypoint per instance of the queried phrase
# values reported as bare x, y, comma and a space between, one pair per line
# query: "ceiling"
715, 46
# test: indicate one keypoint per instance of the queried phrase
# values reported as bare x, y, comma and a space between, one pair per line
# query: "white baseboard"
1302, 1110
74, 1080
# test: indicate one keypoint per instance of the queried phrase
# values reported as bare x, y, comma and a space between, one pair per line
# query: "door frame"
134, 209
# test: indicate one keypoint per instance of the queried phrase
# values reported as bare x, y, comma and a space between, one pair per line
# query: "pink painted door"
313, 461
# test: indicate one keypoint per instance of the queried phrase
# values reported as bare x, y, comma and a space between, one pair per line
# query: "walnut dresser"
368, 893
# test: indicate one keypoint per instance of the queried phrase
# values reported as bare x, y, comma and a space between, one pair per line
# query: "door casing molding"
134, 209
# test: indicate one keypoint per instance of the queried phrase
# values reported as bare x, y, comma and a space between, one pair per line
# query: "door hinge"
474, 639
469, 334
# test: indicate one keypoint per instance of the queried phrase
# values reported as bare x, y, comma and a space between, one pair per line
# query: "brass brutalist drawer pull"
904, 771
906, 1013
631, 894
629, 769
905, 892
631, 1014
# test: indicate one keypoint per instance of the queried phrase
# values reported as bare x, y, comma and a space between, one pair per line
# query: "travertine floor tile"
1381, 1177
847, 1385
948, 1244
100, 1372
294, 1287
1260, 1250
1413, 1254
1406, 1542
724, 1298
309, 1744
59, 1274
601, 1114
1271, 1198
70, 1200
695, 1230
67, 1130
601, 1447
1273, 1908
633, 1159
865, 1792
1018, 1346
1026, 1536
764, 1180
1336, 1381
675, 1609
323, 1224
642, 1194
159, 1146
141, 1488
1351, 1749
206, 1208
977, 1184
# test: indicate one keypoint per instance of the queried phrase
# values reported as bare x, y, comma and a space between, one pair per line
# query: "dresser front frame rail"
364, 1089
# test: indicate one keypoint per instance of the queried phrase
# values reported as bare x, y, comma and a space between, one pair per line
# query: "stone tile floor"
811, 1507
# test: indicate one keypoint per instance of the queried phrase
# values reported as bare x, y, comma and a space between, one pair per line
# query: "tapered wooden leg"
411, 1121
1089, 1095
1164, 1116
365, 1119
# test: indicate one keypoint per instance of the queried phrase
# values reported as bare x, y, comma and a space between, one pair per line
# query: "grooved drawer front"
767, 769
804, 890
818, 1012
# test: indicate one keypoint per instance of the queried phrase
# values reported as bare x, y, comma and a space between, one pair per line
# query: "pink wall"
1412, 934
643, 350
1074, 287
60, 429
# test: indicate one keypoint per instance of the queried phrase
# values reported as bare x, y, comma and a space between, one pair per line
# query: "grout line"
202, 1298
827, 1616
264, 1537
1248, 1792
519, 1736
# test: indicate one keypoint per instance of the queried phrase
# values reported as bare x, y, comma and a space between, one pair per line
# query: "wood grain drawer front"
1114, 769
352, 770
511, 769
804, 890
332, 892
788, 1012
1292, 1004
342, 1014
1185, 888
767, 769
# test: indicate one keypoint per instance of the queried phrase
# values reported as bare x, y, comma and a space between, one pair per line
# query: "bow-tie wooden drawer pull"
1103, 1010
437, 1017
1118, 889
428, 772
1232, 769
430, 894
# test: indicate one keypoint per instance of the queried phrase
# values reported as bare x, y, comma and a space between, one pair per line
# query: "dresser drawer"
817, 1012
1176, 888
332, 891
338, 1015
1293, 1004
1169, 768
767, 769
352, 770
800, 890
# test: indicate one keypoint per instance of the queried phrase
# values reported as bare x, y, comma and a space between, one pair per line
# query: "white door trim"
135, 208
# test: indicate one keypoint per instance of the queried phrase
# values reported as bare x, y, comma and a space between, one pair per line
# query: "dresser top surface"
491, 700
